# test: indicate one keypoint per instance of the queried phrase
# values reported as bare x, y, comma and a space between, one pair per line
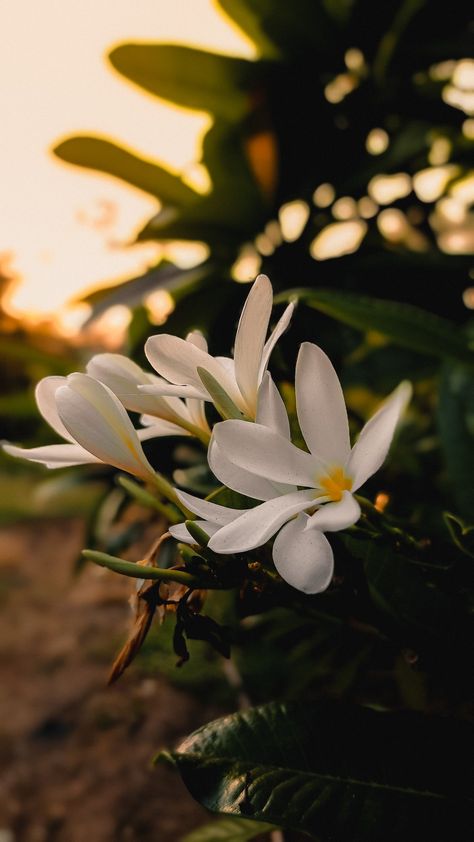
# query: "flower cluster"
299, 494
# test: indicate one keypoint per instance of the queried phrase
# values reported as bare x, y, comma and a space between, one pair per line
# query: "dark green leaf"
249, 21
187, 76
100, 154
231, 829
462, 535
456, 425
403, 323
418, 611
339, 772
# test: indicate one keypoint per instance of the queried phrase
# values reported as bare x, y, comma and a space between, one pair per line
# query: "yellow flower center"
335, 483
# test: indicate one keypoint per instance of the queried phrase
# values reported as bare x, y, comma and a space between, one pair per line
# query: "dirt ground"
74, 754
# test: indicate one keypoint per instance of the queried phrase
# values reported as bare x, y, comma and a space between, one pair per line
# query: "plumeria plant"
282, 540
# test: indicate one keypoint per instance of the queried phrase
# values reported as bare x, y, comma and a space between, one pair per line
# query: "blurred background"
155, 157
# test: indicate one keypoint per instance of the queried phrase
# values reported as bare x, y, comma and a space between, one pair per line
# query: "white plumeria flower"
239, 377
94, 423
169, 416
313, 492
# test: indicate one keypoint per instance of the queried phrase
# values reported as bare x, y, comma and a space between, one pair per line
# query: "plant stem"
141, 495
140, 571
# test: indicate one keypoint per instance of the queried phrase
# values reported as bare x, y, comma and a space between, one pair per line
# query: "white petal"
197, 414
221, 515
45, 398
53, 455
303, 558
180, 532
271, 411
256, 526
320, 406
373, 444
240, 480
260, 451
195, 337
125, 378
177, 361
250, 340
335, 516
165, 389
97, 420
279, 330
158, 428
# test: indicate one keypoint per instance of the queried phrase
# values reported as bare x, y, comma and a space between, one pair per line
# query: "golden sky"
64, 228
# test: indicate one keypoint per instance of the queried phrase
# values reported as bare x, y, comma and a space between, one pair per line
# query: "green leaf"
230, 829
456, 425
190, 77
405, 324
97, 153
221, 400
131, 293
462, 535
417, 610
338, 772
248, 20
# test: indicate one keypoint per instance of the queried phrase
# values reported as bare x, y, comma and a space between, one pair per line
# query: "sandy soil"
75, 755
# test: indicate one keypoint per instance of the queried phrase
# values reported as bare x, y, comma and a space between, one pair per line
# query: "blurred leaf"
231, 829
405, 324
248, 19
187, 76
462, 535
456, 425
131, 293
104, 155
335, 771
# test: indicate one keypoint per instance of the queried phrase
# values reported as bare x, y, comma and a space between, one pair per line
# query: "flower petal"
211, 511
278, 331
303, 558
97, 420
240, 480
177, 361
180, 532
260, 451
158, 428
271, 411
250, 340
125, 378
45, 394
53, 455
162, 388
195, 337
335, 516
320, 406
372, 446
256, 526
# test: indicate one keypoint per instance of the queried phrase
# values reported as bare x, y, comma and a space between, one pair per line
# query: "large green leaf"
456, 425
100, 154
187, 76
338, 772
403, 323
410, 595
230, 829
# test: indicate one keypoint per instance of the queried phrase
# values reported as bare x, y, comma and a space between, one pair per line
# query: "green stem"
139, 571
166, 489
141, 495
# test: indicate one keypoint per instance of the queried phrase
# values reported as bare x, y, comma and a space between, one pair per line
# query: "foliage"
362, 732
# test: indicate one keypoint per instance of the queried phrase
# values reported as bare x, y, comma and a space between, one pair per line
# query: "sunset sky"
63, 230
